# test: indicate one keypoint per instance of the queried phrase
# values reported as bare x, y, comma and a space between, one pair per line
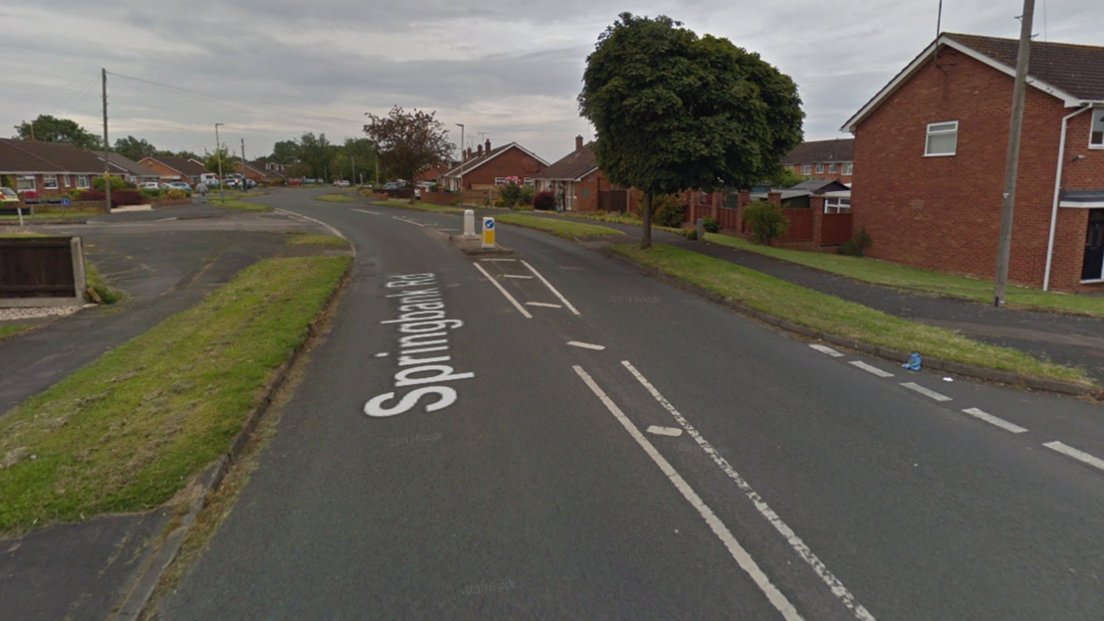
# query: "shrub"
692, 233
500, 202
527, 194
151, 192
98, 183
544, 201
28, 194
668, 210
509, 194
90, 195
122, 198
436, 187
176, 194
766, 220
711, 225
857, 245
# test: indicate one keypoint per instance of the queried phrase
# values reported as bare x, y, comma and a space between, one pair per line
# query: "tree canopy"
407, 142
48, 128
134, 148
673, 111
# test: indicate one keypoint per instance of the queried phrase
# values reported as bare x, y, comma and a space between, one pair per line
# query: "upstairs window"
848, 168
1096, 139
942, 139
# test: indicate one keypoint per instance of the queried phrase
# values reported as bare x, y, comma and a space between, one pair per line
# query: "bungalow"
930, 150
823, 159
175, 168
47, 168
128, 169
488, 168
577, 177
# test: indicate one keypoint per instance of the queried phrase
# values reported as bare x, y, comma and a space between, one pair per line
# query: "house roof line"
474, 163
579, 178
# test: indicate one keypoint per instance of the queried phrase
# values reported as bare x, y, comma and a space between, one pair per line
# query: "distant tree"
188, 155
316, 152
47, 128
673, 111
360, 154
786, 178
134, 148
407, 142
211, 160
285, 152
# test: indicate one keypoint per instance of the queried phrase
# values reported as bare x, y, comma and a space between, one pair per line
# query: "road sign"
65, 202
488, 233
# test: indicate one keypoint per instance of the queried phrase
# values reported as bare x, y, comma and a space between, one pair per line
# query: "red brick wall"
944, 212
586, 191
513, 162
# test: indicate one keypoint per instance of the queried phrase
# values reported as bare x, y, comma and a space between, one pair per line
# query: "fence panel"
835, 229
37, 267
801, 225
728, 218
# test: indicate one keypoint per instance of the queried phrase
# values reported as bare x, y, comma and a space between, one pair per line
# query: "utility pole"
461, 164
1012, 164
352, 170
245, 172
107, 145
218, 156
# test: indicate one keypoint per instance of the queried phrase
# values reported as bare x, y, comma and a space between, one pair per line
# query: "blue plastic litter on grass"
914, 362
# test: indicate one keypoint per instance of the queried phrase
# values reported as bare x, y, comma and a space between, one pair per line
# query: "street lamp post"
218, 155
461, 125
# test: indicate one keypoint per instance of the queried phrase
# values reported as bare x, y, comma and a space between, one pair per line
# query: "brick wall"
586, 191
944, 212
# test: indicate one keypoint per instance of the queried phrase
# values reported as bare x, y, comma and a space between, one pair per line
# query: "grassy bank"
238, 205
39, 218
128, 431
423, 206
914, 279
832, 315
560, 228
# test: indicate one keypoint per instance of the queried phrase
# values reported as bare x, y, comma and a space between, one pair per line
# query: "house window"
848, 168
837, 205
25, 184
806, 169
68, 181
528, 181
820, 168
49, 182
832, 168
82, 182
500, 180
942, 139
1097, 137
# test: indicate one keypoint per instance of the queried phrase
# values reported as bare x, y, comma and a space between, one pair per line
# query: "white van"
210, 180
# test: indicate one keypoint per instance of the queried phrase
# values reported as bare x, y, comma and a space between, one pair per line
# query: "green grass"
66, 215
422, 206
335, 198
839, 317
239, 205
317, 240
128, 431
914, 279
95, 280
11, 329
560, 228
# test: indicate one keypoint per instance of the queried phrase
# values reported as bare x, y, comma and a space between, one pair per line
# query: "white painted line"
741, 556
586, 345
672, 432
522, 276
1080, 456
544, 305
407, 221
783, 529
993, 420
551, 288
328, 227
871, 369
506, 293
374, 213
931, 394
824, 349
497, 260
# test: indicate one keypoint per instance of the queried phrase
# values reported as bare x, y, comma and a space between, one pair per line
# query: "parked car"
180, 185
8, 195
150, 185
394, 185
343, 183
295, 182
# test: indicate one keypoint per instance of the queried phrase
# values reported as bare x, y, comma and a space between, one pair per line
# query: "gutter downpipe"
1058, 192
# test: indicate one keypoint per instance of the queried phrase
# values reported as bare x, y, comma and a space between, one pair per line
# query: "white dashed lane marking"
870, 369
1080, 456
824, 349
672, 432
586, 345
993, 420
931, 394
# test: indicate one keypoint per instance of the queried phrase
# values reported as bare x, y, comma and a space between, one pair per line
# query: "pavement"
572, 439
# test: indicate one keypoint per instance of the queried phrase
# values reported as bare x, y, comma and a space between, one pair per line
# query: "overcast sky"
511, 69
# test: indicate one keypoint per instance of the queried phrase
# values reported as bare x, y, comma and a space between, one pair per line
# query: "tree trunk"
646, 241
413, 198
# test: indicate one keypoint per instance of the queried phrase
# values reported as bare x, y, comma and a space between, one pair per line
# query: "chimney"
488, 145
578, 143
469, 153
479, 151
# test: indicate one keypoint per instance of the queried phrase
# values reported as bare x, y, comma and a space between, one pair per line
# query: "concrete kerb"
956, 368
137, 595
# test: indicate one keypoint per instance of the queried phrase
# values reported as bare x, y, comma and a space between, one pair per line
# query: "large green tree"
285, 152
47, 128
407, 142
134, 148
211, 160
317, 153
673, 111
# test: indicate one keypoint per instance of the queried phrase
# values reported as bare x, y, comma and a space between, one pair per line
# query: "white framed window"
837, 205
1096, 135
942, 139
500, 180
49, 182
68, 181
82, 182
528, 181
820, 168
806, 169
25, 184
848, 168
832, 168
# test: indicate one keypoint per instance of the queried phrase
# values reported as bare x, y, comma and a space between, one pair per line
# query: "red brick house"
486, 168
433, 173
48, 168
176, 168
580, 180
823, 159
930, 150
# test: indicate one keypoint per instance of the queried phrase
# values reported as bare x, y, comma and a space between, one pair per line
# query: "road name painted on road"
424, 326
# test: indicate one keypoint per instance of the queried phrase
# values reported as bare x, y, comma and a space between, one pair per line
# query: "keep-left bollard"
469, 223
488, 233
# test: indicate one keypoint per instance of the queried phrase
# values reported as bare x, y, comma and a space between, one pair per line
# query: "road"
573, 439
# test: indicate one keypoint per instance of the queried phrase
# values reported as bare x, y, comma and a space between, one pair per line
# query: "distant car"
180, 185
149, 185
344, 183
8, 195
295, 182
394, 185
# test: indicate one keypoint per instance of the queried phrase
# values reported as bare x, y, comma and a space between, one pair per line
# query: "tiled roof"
1075, 69
838, 150
66, 158
572, 166
127, 165
181, 165
14, 160
479, 160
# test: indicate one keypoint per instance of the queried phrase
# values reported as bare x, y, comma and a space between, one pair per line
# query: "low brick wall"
440, 198
83, 206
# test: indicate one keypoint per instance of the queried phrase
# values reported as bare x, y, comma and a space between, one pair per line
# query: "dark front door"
1094, 247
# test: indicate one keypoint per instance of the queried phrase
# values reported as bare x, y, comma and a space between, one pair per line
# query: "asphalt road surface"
566, 438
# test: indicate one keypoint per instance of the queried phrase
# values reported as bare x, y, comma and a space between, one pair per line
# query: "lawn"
560, 228
911, 278
10, 329
129, 431
317, 240
238, 205
422, 206
336, 198
832, 315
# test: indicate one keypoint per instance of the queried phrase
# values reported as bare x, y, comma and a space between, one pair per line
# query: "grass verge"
52, 217
107, 294
423, 206
317, 240
914, 279
335, 198
239, 205
560, 228
128, 431
7, 330
835, 316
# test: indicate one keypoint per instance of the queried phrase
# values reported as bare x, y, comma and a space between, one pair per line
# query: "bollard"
701, 230
469, 223
488, 233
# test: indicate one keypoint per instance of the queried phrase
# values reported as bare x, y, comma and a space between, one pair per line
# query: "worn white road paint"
993, 420
544, 305
824, 349
764, 509
551, 288
871, 369
741, 556
521, 309
382, 354
498, 260
1080, 456
374, 213
931, 394
408, 221
319, 222
521, 276
586, 345
672, 432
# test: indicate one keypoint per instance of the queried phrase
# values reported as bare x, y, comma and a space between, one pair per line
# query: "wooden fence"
41, 271
835, 229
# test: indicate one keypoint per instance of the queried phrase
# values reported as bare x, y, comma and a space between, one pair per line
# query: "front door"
1094, 247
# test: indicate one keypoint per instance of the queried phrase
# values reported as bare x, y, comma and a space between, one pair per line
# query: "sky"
510, 71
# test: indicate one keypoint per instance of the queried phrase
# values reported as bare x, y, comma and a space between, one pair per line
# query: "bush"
90, 195
509, 194
116, 184
711, 225
857, 245
151, 192
766, 220
692, 234
122, 198
544, 201
436, 187
527, 194
668, 210
500, 202
28, 194
174, 194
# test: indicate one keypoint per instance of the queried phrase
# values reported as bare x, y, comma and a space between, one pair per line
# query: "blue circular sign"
489, 224
64, 201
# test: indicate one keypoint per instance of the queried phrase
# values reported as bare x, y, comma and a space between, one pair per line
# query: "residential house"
434, 173
48, 168
837, 195
584, 186
128, 169
487, 168
930, 149
823, 159
256, 171
176, 168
